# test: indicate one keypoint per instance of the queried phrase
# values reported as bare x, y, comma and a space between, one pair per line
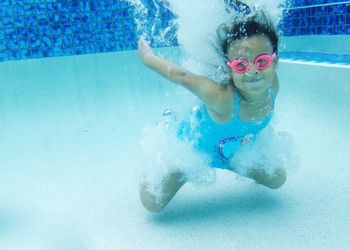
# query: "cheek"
237, 78
269, 73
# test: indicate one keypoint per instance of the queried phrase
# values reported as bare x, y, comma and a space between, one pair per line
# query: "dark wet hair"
256, 23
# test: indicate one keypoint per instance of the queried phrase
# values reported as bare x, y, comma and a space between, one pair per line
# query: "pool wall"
317, 26
48, 28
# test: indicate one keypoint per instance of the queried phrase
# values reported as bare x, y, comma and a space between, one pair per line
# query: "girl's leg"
171, 183
274, 180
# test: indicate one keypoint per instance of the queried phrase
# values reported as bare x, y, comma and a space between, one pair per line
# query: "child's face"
253, 80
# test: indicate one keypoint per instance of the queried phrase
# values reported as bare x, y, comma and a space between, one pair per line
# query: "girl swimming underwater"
233, 111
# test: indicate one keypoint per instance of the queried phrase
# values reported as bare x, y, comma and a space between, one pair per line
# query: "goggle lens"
261, 62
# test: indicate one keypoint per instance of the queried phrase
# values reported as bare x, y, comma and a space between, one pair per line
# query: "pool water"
69, 160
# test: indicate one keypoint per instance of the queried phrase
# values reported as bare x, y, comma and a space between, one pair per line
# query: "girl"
232, 113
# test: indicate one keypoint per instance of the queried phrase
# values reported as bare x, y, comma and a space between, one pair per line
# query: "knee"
277, 179
150, 201
273, 181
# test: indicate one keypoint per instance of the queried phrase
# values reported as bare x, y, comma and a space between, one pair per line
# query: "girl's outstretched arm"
204, 88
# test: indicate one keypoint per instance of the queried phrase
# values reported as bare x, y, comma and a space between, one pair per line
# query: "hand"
144, 50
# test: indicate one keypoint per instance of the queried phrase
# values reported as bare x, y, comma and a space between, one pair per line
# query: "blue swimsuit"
220, 141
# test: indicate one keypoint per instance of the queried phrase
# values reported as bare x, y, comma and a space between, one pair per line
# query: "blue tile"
324, 10
66, 29
43, 20
117, 25
13, 55
2, 45
109, 36
9, 32
99, 37
41, 9
64, 18
77, 28
73, 6
4, 2
18, 2
62, 7
119, 36
67, 40
29, 9
57, 41
11, 44
348, 30
107, 16
5, 11
58, 51
84, 6
21, 31
47, 52
19, 21
31, 20
23, 44
37, 53
79, 50
78, 39
89, 38
87, 28
33, 31
130, 36
97, 27
94, 6
339, 30
25, 53
347, 8
111, 46
2, 34
75, 17
69, 50
18, 10
89, 49
318, 21
85, 17
348, 19
7, 22
55, 29
330, 30
46, 42
324, 20
107, 27
52, 7
35, 42
101, 48
105, 5
95, 17
117, 15
54, 18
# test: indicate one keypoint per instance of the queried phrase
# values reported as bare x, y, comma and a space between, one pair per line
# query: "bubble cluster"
162, 153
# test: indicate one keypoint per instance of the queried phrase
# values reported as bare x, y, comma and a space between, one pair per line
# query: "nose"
252, 70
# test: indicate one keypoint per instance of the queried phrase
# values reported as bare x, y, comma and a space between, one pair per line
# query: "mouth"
254, 81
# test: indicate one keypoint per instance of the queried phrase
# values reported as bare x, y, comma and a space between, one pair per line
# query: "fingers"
142, 42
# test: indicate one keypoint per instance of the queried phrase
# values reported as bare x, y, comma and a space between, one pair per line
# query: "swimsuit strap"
236, 107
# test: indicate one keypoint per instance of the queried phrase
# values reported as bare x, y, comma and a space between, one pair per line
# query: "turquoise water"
69, 160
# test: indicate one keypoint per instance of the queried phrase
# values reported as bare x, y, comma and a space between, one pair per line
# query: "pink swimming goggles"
261, 62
